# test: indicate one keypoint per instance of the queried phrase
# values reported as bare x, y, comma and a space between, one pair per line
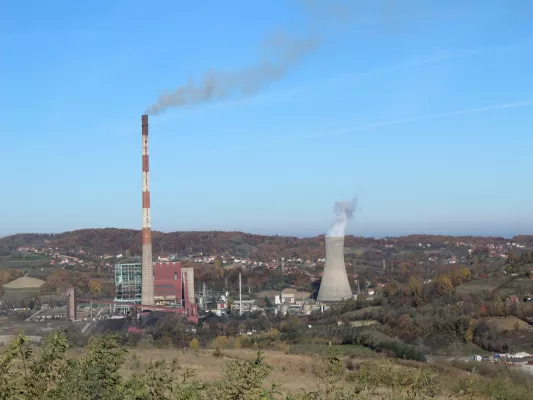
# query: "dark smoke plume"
370, 16
216, 85
285, 54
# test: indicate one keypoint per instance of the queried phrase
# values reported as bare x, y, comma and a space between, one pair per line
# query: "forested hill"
114, 241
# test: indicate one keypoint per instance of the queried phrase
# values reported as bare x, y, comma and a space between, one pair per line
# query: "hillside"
112, 240
108, 370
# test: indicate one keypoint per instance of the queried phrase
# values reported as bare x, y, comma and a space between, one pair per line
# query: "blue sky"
421, 111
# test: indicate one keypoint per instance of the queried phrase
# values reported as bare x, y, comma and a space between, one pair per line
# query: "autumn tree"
465, 273
193, 344
244, 380
7, 275
404, 321
415, 286
291, 324
469, 333
361, 301
218, 268
498, 308
390, 290
443, 285
94, 286
229, 304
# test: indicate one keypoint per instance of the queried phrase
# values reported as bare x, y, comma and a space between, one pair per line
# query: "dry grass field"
509, 323
519, 287
378, 376
296, 373
293, 372
504, 286
478, 285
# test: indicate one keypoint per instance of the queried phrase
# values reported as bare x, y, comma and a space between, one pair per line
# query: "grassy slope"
293, 372
519, 287
479, 285
19, 262
504, 286
297, 372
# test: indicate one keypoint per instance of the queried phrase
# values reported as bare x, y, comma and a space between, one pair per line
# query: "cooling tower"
335, 285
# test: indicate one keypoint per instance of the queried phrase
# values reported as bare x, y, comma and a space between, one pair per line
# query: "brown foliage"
443, 285
7, 275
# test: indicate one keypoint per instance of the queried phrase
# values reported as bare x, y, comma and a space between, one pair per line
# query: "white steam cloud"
344, 211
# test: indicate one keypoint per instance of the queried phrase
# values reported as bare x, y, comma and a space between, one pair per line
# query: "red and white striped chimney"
147, 296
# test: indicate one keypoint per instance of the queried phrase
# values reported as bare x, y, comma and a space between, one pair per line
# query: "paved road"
30, 318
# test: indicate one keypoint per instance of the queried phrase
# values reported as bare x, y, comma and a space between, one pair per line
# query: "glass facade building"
128, 285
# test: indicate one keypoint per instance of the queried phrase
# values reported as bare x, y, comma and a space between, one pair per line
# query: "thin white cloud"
429, 59
42, 35
440, 57
290, 95
402, 121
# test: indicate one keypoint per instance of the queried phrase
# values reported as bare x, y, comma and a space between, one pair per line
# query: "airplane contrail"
517, 104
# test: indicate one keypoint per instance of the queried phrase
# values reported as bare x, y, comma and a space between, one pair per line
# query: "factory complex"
169, 285
142, 285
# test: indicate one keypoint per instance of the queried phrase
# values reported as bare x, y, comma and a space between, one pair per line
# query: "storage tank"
284, 309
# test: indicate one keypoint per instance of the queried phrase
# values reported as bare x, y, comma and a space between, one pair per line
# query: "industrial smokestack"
335, 285
147, 295
240, 294
71, 304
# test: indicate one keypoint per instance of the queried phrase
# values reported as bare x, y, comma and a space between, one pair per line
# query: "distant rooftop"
130, 260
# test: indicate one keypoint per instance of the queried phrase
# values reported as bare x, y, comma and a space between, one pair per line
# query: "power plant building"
173, 285
168, 283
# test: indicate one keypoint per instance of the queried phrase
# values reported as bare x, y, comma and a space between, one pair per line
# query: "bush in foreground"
50, 375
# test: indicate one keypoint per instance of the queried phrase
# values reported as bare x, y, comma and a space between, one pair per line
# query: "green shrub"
50, 375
